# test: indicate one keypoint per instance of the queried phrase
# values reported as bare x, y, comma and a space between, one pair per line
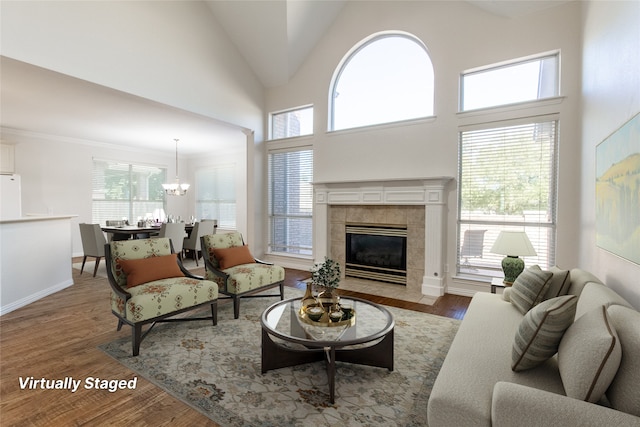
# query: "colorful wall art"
618, 192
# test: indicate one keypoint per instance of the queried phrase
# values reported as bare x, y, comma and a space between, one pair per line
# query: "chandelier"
175, 188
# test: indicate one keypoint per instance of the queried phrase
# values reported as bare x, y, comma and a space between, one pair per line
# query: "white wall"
171, 52
611, 96
459, 36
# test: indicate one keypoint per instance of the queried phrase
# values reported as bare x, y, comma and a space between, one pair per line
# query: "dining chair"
175, 232
192, 243
93, 242
229, 263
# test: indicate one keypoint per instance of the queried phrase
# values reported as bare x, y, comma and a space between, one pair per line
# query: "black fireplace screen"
378, 253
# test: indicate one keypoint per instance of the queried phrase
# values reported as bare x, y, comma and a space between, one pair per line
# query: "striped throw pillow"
529, 288
541, 331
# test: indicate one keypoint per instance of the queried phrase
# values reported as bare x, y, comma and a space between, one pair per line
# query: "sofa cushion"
230, 257
480, 356
529, 288
559, 283
541, 330
624, 392
589, 356
161, 297
594, 295
145, 270
579, 278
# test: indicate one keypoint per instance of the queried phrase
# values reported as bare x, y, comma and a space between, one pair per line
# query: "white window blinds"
216, 195
507, 180
126, 191
291, 202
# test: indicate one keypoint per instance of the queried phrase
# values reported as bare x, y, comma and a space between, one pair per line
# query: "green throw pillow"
529, 288
541, 330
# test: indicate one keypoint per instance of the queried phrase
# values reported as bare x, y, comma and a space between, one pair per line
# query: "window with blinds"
216, 195
291, 202
507, 181
126, 191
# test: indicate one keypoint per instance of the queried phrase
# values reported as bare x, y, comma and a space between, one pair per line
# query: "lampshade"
512, 244
175, 188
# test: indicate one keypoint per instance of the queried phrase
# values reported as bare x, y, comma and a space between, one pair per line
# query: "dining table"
135, 232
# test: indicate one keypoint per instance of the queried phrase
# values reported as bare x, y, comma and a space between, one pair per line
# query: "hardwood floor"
57, 337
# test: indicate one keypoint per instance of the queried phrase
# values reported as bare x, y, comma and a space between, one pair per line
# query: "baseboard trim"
34, 297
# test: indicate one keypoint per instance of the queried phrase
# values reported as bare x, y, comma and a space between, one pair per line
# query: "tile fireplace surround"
419, 204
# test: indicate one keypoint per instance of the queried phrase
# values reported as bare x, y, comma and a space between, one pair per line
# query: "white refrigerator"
10, 203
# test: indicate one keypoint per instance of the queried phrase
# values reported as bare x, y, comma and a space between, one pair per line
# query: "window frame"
355, 50
504, 65
217, 202
275, 149
273, 114
132, 199
472, 271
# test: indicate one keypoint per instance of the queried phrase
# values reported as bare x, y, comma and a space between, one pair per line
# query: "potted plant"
326, 276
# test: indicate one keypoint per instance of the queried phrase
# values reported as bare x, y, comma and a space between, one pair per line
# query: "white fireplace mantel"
429, 192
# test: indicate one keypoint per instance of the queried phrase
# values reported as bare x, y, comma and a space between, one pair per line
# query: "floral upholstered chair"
149, 284
229, 263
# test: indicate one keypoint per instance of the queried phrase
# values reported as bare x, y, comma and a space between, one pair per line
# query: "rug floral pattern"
217, 371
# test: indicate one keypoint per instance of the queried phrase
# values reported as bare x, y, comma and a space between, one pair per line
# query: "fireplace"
376, 252
418, 204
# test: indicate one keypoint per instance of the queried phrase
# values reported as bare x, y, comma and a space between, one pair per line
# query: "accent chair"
149, 284
229, 263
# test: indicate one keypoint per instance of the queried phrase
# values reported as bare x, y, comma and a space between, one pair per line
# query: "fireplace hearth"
376, 252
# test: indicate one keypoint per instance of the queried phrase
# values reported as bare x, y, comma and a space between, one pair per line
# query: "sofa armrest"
518, 405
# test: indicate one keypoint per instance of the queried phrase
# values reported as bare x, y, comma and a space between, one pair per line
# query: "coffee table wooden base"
275, 356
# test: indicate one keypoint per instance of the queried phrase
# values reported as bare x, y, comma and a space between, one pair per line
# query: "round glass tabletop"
370, 322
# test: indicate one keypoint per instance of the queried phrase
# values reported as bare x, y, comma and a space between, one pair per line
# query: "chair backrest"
219, 241
93, 240
134, 249
115, 223
175, 232
473, 243
199, 229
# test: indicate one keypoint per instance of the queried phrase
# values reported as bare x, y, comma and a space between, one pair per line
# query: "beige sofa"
476, 385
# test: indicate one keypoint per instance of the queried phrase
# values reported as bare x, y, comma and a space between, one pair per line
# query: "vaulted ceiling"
274, 37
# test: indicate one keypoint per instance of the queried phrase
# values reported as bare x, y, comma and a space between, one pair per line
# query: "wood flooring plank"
58, 336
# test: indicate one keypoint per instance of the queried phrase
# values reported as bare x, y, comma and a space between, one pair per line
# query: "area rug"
217, 371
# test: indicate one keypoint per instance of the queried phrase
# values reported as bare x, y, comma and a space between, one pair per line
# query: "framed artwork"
618, 192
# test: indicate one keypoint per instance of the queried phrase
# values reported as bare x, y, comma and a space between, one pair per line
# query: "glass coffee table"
288, 340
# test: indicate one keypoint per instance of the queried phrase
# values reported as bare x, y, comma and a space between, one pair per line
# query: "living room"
179, 56
597, 97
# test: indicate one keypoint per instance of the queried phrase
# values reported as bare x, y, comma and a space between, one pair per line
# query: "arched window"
387, 77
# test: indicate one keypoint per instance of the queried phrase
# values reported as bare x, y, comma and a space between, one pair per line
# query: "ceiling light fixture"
175, 188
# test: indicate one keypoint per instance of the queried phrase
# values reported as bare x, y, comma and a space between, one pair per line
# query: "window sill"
408, 122
511, 107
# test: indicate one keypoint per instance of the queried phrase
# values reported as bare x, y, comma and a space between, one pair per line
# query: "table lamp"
512, 244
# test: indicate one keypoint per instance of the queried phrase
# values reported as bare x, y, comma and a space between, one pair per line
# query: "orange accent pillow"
145, 270
230, 257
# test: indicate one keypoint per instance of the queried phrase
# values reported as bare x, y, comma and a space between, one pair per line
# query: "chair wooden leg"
281, 290
83, 261
214, 312
120, 323
236, 306
136, 337
95, 270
